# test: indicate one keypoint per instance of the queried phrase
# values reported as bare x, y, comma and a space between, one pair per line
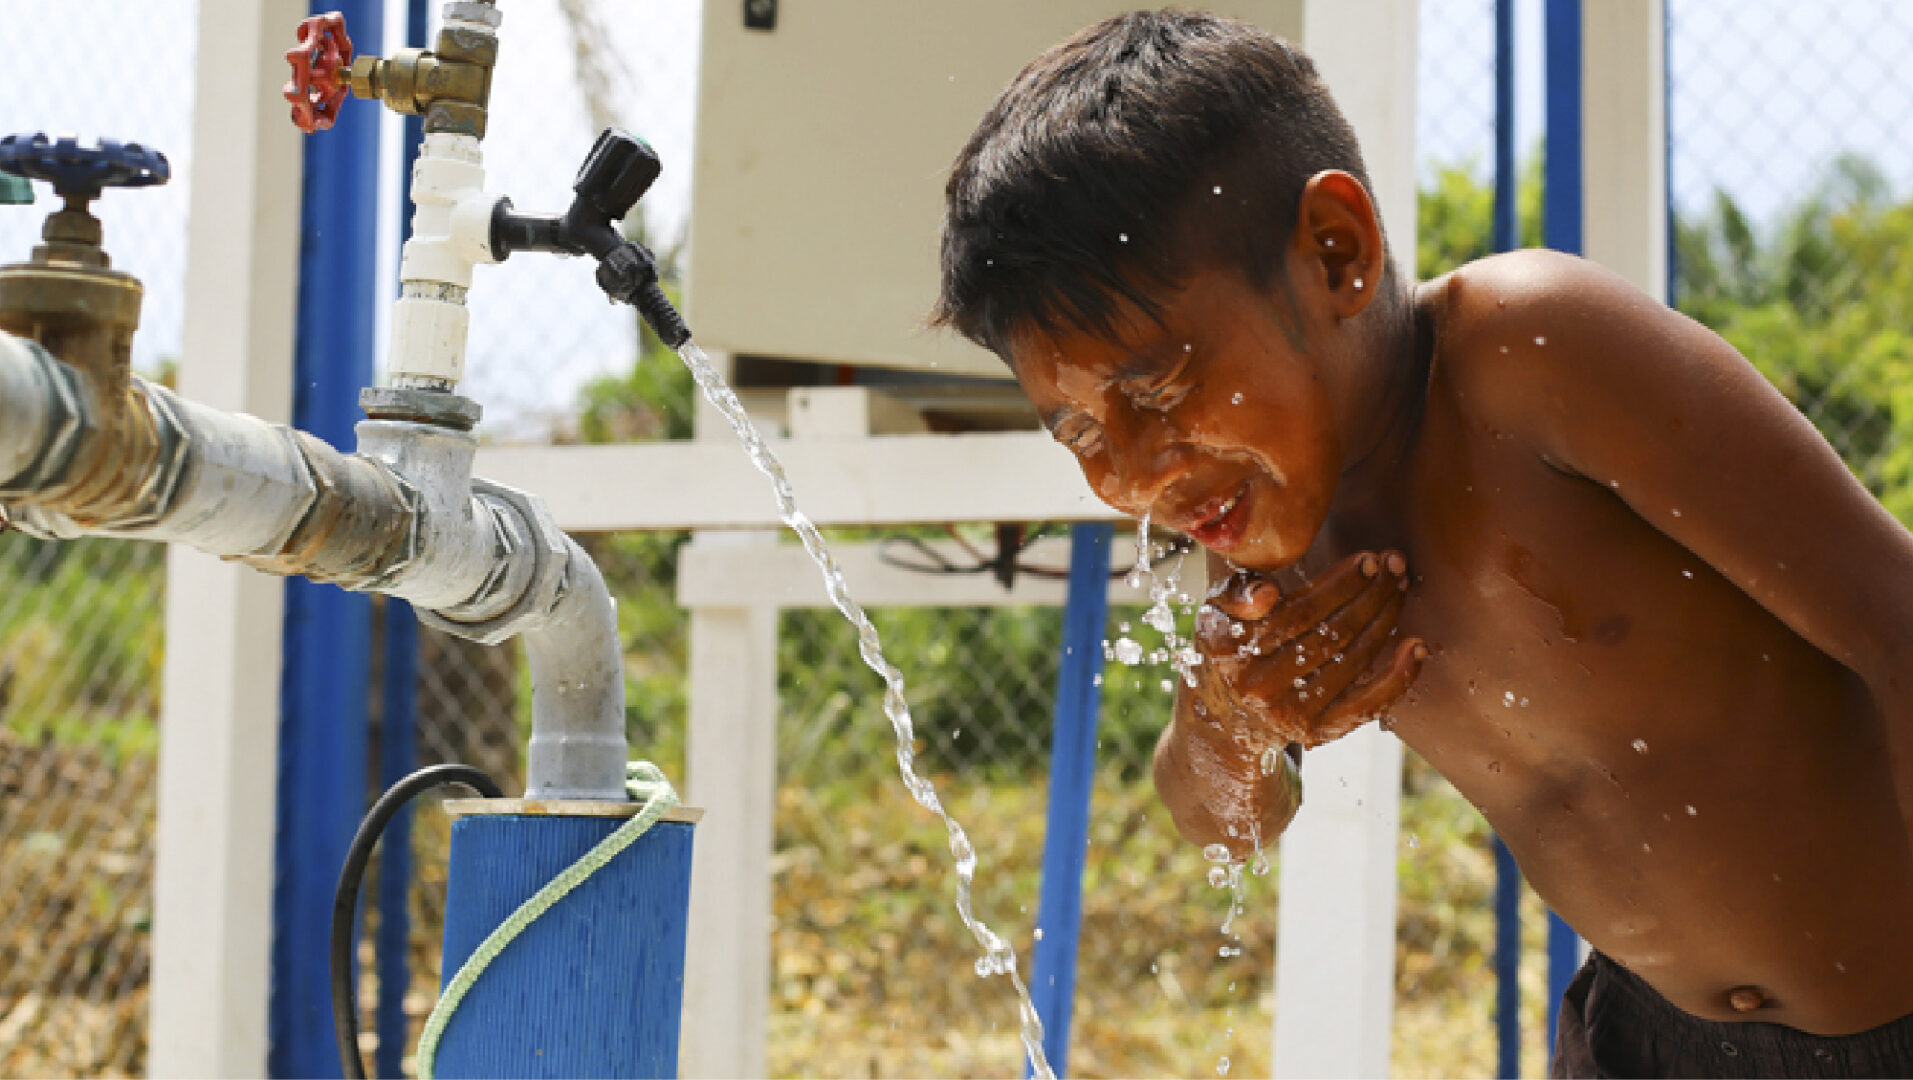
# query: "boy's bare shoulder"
1516, 331
1600, 380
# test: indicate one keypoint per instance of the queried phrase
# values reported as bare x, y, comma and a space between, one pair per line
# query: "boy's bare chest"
1663, 755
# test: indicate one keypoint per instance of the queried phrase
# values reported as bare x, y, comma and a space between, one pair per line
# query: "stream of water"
999, 956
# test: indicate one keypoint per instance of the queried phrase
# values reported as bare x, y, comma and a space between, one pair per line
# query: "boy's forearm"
1213, 784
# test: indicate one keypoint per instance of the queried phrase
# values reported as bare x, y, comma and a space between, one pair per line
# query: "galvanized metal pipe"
24, 412
402, 516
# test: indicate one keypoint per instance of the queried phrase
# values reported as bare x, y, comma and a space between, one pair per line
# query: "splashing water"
1180, 652
999, 956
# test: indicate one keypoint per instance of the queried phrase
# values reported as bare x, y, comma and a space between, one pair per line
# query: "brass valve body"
71, 301
449, 87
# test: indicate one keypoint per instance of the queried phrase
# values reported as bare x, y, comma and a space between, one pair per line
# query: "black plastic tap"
616, 173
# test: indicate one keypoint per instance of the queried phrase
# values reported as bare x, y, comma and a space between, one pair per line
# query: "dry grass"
872, 971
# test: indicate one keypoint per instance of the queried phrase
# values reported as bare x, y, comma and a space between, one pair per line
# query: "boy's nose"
1143, 455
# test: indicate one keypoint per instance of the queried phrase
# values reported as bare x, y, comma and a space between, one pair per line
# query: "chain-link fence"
1792, 181
80, 623
1797, 260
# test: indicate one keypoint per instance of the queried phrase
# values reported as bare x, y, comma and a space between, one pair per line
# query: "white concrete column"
219, 713
1335, 948
731, 771
1624, 139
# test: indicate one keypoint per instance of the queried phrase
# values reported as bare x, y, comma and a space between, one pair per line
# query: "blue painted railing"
1059, 908
325, 684
1561, 229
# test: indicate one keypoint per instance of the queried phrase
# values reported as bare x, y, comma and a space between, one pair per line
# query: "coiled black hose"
345, 899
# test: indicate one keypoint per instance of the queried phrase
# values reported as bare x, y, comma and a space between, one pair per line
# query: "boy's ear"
1339, 241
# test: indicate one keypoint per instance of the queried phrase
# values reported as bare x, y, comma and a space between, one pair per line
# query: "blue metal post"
1562, 229
398, 757
398, 738
594, 987
325, 684
1059, 909
1507, 237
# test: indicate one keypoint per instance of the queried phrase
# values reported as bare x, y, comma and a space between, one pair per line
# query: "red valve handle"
315, 90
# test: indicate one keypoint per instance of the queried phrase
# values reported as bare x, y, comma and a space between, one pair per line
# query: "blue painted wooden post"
1562, 229
398, 757
1059, 909
326, 680
398, 742
1507, 228
595, 987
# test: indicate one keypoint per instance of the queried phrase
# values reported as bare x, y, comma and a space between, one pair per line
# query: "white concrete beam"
710, 576
219, 713
1624, 139
882, 480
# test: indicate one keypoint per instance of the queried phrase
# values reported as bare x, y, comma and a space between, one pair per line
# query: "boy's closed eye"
1156, 388
1077, 432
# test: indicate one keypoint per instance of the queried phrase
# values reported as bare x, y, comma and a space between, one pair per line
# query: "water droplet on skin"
1677, 512
1504, 348
1540, 340
1235, 398
1640, 746
1216, 853
1687, 573
1647, 848
1236, 629
1271, 759
1524, 703
1691, 812
1507, 699
1839, 967
1217, 190
1123, 236
1300, 682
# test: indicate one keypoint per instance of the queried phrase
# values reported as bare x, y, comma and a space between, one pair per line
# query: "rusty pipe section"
401, 516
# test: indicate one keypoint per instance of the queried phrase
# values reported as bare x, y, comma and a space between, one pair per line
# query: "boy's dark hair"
1146, 146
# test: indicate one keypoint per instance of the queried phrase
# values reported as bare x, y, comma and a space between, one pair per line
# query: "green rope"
644, 781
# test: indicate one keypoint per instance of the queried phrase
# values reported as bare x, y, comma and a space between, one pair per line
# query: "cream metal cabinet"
822, 149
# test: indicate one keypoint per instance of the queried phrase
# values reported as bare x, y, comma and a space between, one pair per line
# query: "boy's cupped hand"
1305, 663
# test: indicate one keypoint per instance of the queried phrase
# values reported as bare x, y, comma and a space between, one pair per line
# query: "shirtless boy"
1572, 546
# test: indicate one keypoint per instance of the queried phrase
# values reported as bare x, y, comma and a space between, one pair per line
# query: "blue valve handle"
73, 169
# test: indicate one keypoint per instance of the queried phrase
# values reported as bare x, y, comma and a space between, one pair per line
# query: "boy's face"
1215, 422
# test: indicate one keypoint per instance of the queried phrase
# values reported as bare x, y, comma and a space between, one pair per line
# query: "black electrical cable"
345, 899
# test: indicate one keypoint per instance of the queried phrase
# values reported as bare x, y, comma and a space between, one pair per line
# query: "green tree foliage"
1455, 217
1821, 306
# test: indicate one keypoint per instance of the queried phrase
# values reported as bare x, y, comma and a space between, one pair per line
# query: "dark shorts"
1615, 1025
